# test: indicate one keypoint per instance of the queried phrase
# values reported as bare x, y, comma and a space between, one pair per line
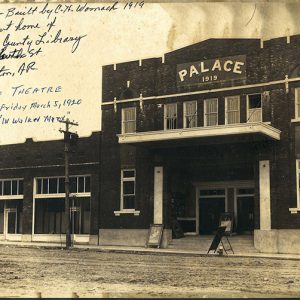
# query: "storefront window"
50, 216
50, 205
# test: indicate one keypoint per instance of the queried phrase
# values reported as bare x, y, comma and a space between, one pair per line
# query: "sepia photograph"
149, 149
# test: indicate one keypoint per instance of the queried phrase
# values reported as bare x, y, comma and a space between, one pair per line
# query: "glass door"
212, 203
11, 221
245, 210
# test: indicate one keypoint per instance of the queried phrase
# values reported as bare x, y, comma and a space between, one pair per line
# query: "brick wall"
42, 159
276, 59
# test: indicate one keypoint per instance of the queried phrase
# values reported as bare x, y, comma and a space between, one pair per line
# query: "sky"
119, 36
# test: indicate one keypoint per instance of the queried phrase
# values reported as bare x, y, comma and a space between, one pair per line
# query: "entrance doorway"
212, 203
11, 221
215, 198
245, 210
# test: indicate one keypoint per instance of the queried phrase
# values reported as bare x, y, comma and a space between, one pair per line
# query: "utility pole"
67, 139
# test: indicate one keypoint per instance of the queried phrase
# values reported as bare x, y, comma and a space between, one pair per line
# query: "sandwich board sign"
217, 239
155, 235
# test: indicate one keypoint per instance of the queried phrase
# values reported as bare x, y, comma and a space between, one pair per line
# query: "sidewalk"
144, 250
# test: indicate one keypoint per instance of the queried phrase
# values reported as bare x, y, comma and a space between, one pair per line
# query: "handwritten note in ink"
51, 56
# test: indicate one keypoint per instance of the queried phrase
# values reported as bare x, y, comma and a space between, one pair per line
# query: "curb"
159, 252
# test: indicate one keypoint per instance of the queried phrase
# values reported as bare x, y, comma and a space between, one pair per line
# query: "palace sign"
212, 70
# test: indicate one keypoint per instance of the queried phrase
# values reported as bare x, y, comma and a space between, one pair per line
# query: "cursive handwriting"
29, 31
4, 71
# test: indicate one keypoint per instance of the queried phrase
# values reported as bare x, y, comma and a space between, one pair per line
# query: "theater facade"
32, 191
210, 128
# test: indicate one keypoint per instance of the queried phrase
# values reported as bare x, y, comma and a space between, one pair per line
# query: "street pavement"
31, 271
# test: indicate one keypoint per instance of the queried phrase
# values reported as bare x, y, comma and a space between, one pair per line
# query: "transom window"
127, 189
128, 120
254, 113
11, 187
190, 114
212, 192
210, 112
56, 185
232, 106
170, 116
245, 191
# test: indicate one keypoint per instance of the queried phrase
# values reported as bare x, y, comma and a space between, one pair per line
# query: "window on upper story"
127, 189
128, 120
254, 108
232, 108
210, 112
297, 103
11, 187
170, 116
190, 114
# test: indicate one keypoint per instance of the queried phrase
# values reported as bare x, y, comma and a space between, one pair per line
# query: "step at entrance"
240, 244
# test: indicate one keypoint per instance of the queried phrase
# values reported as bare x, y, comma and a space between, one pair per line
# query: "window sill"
295, 120
127, 211
294, 210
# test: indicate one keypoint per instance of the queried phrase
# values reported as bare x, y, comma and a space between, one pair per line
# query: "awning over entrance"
201, 132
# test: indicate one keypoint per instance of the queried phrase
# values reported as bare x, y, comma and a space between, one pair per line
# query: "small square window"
128, 174
128, 187
254, 113
129, 202
254, 101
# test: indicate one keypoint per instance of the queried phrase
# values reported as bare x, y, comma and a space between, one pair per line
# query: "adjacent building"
213, 127
32, 191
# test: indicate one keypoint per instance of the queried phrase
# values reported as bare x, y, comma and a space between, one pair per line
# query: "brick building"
213, 127
32, 195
